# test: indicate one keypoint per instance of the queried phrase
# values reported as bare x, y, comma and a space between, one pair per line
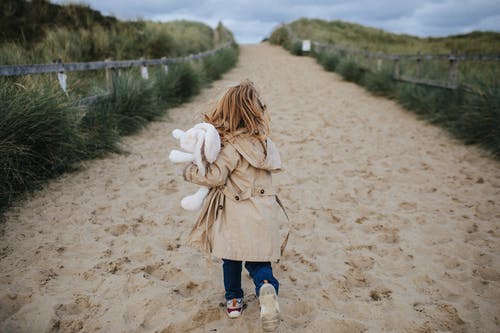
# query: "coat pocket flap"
236, 196
263, 191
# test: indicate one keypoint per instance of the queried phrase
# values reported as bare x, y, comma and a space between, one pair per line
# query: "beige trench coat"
241, 215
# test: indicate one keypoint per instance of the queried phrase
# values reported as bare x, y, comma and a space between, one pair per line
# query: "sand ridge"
394, 226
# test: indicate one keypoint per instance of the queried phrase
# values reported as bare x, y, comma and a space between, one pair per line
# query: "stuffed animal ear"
212, 141
177, 156
177, 133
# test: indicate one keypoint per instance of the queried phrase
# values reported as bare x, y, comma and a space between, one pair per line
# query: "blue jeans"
259, 271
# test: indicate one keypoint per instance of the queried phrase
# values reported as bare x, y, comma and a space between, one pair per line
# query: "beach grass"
45, 132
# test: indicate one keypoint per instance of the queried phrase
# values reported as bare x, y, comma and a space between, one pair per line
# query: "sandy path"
395, 227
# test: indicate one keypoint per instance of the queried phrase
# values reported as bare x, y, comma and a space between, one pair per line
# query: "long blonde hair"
239, 111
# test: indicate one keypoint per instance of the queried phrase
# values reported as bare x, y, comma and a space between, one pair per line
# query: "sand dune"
395, 227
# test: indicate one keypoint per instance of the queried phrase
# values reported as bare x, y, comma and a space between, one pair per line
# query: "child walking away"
240, 219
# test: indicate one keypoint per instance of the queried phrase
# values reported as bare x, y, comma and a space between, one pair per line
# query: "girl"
241, 215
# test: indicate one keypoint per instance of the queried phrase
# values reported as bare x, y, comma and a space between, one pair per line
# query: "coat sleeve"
216, 173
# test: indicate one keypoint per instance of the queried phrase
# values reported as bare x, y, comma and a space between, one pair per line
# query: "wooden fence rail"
108, 65
12, 70
418, 56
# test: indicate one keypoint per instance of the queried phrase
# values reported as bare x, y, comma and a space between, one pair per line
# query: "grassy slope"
40, 32
361, 37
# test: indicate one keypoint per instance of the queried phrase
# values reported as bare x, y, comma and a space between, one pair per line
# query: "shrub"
216, 65
379, 83
132, 103
178, 85
329, 61
480, 119
98, 129
279, 36
38, 139
296, 48
350, 70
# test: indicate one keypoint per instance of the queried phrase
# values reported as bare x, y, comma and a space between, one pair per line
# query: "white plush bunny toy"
201, 136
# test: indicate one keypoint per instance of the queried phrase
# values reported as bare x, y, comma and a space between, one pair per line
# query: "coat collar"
260, 154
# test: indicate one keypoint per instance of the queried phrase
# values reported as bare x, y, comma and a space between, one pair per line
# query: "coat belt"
210, 210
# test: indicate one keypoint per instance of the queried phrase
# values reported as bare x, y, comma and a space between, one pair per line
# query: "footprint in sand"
472, 228
440, 318
387, 234
299, 309
117, 230
487, 273
190, 288
310, 266
162, 272
71, 317
46, 276
450, 263
487, 210
11, 302
112, 266
425, 285
325, 323
355, 278
408, 206
380, 294
211, 313
169, 187
359, 261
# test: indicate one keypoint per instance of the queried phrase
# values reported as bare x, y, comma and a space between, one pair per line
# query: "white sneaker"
234, 307
269, 307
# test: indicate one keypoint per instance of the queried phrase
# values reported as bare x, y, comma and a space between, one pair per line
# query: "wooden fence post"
144, 70
165, 66
452, 80
61, 77
52, 76
379, 64
396, 68
109, 71
418, 70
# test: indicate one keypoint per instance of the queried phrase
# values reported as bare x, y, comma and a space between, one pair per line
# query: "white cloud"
251, 20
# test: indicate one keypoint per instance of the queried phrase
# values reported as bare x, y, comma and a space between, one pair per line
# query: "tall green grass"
379, 82
38, 138
213, 67
327, 60
350, 70
471, 116
42, 133
40, 32
124, 41
182, 81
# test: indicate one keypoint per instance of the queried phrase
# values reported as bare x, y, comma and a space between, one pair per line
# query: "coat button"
220, 207
262, 191
236, 198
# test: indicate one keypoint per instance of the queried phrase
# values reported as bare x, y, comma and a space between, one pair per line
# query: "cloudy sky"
252, 20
